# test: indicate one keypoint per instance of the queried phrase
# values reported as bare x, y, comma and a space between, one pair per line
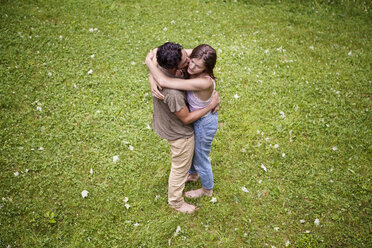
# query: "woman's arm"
154, 88
163, 80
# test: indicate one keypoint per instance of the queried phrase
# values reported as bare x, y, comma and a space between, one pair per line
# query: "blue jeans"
204, 130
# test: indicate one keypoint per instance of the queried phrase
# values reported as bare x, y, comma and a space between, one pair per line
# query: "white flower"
133, 63
38, 108
259, 181
302, 221
283, 155
91, 30
334, 148
350, 53
243, 150
90, 72
316, 222
282, 115
49, 74
165, 29
276, 146
267, 51
126, 199
84, 193
276, 228
172, 21
16, 173
61, 37
135, 224
311, 47
287, 243
245, 189
131, 148
41, 149
157, 197
92, 56
127, 205
213, 200
263, 167
307, 231
91, 171
115, 159
331, 169
27, 170
177, 231
148, 127
236, 96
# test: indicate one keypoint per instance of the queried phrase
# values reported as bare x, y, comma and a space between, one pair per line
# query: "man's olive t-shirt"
165, 123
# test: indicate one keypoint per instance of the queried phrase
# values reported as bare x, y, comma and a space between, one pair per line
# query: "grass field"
291, 158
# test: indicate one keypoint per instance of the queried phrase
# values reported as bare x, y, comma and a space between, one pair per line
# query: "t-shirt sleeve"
175, 102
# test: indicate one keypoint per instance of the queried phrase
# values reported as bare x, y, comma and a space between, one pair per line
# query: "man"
172, 119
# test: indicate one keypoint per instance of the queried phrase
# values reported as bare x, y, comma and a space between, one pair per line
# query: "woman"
199, 89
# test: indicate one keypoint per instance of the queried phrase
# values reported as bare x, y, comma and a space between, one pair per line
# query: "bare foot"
199, 193
192, 177
186, 208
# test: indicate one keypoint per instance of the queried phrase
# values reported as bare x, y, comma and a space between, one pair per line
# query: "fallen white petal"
334, 148
91, 171
350, 53
133, 63
316, 222
276, 228
177, 231
41, 149
84, 193
287, 243
307, 231
302, 221
213, 200
92, 56
16, 173
127, 205
115, 159
263, 167
236, 96
245, 189
126, 199
276, 146
135, 224
90, 72
131, 148
283, 155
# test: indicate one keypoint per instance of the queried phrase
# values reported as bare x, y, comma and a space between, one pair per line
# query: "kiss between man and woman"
185, 106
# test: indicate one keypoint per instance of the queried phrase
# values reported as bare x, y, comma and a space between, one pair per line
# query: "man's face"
184, 60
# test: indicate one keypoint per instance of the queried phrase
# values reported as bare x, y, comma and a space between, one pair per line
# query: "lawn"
291, 158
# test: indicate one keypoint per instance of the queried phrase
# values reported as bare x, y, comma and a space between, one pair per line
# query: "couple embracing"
185, 106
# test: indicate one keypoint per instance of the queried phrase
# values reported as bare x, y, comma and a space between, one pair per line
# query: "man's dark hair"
169, 55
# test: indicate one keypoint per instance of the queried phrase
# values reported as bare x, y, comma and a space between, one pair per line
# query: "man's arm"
188, 117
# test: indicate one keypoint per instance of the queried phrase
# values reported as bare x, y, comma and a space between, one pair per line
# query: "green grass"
300, 72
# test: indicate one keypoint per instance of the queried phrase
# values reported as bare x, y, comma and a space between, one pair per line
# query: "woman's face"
196, 66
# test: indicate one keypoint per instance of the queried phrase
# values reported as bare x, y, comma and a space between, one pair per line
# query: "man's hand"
215, 102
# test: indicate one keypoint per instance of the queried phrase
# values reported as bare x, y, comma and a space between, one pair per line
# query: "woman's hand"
155, 88
149, 57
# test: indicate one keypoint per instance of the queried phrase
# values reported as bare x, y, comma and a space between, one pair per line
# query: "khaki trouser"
182, 153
